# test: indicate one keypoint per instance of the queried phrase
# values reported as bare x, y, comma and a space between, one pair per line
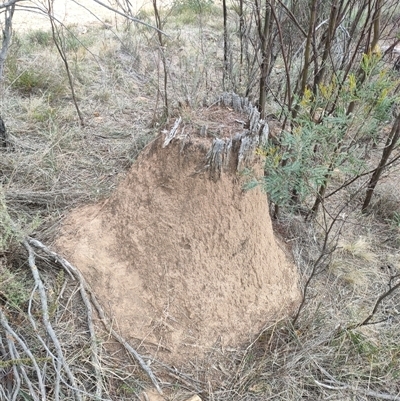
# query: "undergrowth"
53, 164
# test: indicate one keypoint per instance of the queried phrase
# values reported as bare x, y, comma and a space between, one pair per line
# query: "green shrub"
187, 11
323, 137
194, 6
13, 288
73, 41
40, 37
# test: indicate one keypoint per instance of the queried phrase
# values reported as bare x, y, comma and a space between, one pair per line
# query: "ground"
67, 12
53, 167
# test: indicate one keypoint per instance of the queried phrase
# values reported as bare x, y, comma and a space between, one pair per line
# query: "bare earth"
68, 12
183, 263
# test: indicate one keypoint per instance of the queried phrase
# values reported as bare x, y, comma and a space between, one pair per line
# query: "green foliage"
188, 10
301, 160
40, 37
324, 137
396, 219
361, 345
33, 79
28, 81
194, 6
13, 288
72, 43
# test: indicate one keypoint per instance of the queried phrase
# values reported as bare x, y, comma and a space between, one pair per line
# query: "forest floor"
54, 164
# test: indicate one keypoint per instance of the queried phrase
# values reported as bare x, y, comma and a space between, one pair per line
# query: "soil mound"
181, 259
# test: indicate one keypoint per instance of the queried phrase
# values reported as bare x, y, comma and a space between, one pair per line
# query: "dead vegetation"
52, 164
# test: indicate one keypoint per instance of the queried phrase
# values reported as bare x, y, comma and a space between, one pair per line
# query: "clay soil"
182, 263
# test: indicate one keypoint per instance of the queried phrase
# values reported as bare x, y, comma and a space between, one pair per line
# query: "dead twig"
381, 298
46, 319
44, 344
85, 289
12, 338
342, 386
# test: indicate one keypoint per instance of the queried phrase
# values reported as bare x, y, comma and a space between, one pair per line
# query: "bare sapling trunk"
307, 51
7, 34
225, 69
265, 35
59, 43
329, 35
161, 43
3, 134
288, 86
241, 32
390, 145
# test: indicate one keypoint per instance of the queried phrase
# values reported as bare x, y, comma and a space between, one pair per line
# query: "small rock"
151, 395
194, 398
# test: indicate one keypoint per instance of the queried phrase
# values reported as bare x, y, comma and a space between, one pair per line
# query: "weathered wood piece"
172, 133
239, 148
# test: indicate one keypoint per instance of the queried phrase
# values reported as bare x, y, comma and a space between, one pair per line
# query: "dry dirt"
182, 263
68, 12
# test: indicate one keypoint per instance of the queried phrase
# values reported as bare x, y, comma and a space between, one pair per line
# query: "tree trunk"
265, 39
391, 142
225, 71
3, 134
7, 33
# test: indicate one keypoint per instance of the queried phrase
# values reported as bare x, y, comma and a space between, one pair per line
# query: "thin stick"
58, 42
121, 340
16, 377
371, 393
46, 320
86, 289
15, 356
93, 342
129, 17
53, 357
15, 336
379, 301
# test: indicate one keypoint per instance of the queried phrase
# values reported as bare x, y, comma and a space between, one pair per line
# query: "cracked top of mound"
181, 262
213, 122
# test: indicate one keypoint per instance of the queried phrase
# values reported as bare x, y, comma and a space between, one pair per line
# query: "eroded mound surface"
180, 261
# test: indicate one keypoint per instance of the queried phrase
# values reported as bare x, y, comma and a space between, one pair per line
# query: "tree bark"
265, 39
3, 134
391, 142
7, 34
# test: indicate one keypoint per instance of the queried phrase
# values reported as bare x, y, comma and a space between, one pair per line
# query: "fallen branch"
93, 342
14, 337
85, 289
46, 320
15, 385
39, 337
15, 356
380, 300
370, 393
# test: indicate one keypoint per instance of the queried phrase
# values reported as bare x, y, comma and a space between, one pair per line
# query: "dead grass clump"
386, 205
358, 248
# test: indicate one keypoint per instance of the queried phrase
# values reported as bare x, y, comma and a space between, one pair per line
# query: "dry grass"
54, 164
